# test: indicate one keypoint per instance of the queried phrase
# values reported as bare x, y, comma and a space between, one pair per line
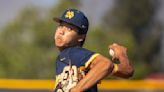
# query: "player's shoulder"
76, 49
80, 50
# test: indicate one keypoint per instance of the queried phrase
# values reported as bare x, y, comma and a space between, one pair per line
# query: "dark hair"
79, 32
82, 42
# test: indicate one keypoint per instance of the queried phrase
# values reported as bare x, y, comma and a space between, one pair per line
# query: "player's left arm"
100, 67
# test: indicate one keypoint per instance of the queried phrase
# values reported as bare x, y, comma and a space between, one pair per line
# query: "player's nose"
61, 31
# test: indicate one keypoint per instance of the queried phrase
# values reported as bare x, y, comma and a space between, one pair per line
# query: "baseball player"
79, 69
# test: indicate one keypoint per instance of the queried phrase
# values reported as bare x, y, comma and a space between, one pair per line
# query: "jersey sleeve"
87, 63
82, 57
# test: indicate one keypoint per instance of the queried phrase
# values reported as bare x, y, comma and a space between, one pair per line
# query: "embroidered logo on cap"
69, 14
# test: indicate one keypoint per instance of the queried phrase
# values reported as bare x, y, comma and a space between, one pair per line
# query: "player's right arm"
101, 66
123, 69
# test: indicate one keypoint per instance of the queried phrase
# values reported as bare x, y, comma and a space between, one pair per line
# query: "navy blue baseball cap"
75, 18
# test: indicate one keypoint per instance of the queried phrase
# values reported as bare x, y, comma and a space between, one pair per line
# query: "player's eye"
60, 25
69, 29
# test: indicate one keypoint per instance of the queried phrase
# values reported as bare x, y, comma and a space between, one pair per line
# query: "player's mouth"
58, 39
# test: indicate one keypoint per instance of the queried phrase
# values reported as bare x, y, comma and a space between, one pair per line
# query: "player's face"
66, 35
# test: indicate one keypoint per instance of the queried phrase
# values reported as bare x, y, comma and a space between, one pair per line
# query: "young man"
79, 69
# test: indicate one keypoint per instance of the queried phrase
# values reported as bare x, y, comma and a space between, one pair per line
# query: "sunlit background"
27, 48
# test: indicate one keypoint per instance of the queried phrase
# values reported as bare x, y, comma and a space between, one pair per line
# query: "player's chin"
59, 45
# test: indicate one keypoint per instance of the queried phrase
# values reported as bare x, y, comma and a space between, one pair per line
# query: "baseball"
111, 52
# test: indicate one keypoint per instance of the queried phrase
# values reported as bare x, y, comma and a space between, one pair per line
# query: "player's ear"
81, 38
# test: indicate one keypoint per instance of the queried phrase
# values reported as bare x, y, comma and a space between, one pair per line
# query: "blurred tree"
137, 19
27, 46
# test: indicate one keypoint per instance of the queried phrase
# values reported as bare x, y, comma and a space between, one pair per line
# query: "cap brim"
58, 20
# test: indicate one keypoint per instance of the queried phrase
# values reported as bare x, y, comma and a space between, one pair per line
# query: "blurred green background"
27, 49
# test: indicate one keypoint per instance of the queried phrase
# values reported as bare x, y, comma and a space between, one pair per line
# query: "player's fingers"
114, 44
111, 46
123, 48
